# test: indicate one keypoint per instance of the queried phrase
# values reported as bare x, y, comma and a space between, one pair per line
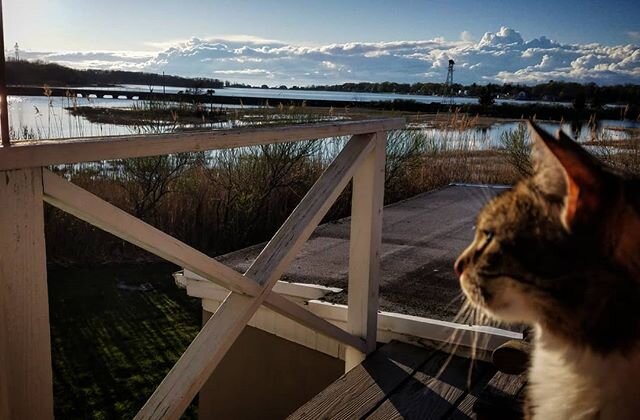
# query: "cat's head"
560, 249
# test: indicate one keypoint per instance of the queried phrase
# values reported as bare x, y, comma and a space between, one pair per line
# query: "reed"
220, 201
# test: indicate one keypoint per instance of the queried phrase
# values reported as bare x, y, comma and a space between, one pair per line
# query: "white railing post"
364, 252
202, 356
26, 386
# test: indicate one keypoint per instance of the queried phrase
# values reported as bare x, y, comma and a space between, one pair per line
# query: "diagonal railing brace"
195, 366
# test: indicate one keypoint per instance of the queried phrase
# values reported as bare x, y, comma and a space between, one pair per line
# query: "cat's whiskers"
453, 342
461, 317
474, 345
453, 301
462, 312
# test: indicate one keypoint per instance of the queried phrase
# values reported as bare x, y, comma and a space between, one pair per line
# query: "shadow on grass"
112, 346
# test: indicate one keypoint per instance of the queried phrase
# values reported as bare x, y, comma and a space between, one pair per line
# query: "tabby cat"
560, 251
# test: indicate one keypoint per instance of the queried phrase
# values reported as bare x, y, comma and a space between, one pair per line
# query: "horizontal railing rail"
26, 184
52, 152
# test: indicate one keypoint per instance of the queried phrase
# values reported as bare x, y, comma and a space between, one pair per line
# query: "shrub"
517, 146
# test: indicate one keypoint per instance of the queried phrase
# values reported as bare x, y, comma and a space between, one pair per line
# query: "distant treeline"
583, 96
515, 111
590, 94
40, 73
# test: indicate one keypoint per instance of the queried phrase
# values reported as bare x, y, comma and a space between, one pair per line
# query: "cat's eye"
488, 234
487, 237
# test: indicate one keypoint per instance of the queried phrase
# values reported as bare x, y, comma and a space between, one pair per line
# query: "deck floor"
401, 381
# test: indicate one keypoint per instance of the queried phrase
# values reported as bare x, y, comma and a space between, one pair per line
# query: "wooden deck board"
500, 399
430, 393
465, 408
399, 382
360, 390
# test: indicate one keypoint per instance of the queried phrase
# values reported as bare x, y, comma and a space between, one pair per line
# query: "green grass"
112, 347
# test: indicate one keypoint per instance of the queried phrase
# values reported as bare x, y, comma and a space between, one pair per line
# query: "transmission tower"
17, 52
448, 85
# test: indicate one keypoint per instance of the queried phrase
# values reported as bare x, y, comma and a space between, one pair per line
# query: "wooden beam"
277, 255
82, 204
199, 287
281, 304
208, 348
92, 209
364, 251
276, 302
286, 307
410, 329
283, 247
194, 367
45, 153
4, 106
26, 388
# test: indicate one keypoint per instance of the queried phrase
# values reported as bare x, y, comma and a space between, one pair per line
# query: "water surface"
44, 117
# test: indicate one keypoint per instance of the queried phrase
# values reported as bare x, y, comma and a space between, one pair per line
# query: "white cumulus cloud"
501, 56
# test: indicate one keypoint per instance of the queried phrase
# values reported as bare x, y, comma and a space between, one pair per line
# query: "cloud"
110, 60
504, 37
466, 36
244, 72
501, 56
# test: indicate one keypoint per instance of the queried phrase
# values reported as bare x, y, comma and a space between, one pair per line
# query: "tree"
579, 101
487, 98
596, 100
148, 180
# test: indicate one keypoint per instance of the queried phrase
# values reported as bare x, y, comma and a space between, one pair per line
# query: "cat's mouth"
474, 291
499, 296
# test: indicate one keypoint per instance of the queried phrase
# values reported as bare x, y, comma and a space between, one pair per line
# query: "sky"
319, 42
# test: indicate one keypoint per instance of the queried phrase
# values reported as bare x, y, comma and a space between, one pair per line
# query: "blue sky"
128, 25
141, 30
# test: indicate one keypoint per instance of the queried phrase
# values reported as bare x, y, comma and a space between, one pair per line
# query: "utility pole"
17, 52
4, 108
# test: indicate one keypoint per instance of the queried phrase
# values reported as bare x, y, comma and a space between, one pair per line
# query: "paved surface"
422, 237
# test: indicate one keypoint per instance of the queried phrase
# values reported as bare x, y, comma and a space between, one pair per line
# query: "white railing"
25, 183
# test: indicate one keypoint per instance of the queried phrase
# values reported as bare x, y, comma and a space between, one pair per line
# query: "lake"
325, 95
47, 118
44, 117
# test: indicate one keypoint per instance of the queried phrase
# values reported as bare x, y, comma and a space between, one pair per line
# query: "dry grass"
224, 200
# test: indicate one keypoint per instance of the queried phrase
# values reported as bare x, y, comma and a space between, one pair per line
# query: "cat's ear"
564, 168
548, 173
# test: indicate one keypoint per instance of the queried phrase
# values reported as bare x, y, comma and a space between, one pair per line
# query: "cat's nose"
459, 265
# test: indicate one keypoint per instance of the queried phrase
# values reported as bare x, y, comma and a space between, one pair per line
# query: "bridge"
104, 93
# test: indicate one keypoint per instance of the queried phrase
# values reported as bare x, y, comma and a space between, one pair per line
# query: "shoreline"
168, 113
